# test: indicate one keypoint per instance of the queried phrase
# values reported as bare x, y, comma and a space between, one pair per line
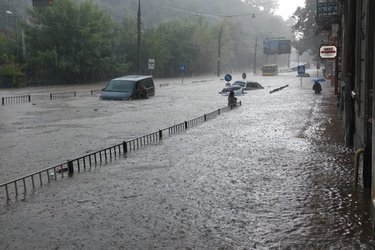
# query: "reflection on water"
272, 174
339, 211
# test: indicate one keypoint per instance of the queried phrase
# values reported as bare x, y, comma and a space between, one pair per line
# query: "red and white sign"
328, 52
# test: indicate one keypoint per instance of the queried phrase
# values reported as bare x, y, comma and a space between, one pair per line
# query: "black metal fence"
95, 91
12, 188
15, 99
63, 95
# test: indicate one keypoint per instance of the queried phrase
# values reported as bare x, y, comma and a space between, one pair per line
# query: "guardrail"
63, 95
15, 99
277, 89
95, 91
79, 164
28, 98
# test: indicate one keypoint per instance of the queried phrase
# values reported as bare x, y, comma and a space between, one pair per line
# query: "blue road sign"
228, 77
182, 67
301, 69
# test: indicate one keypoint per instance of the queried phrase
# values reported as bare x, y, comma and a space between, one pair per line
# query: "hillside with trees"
86, 41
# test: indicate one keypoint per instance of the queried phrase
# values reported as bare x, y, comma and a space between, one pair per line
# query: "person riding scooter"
317, 87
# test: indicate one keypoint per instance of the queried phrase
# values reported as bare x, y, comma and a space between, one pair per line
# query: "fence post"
218, 111
75, 94
125, 147
186, 125
2, 101
70, 167
29, 98
205, 117
160, 134
50, 96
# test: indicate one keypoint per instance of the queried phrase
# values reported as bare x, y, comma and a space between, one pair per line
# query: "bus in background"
270, 70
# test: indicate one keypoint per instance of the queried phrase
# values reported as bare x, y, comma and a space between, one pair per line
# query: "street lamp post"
219, 42
9, 13
139, 37
218, 52
6, 14
255, 56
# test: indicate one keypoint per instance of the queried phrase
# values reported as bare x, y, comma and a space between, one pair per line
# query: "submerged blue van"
128, 88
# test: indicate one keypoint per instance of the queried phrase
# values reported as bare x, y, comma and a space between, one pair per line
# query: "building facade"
350, 25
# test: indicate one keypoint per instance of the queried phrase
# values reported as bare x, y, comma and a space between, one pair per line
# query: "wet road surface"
271, 174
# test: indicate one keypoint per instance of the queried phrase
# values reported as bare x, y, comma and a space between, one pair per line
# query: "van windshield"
120, 86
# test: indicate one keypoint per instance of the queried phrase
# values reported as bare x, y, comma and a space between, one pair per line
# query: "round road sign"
228, 77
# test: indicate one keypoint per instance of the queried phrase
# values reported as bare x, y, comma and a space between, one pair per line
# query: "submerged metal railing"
82, 163
95, 91
63, 95
15, 99
28, 98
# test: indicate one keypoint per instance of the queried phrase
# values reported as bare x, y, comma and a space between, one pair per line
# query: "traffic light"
42, 3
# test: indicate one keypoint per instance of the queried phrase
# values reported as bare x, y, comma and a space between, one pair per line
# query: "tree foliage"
11, 70
72, 42
305, 28
83, 40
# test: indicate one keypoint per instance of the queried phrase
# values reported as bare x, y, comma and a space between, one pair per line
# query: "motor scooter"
317, 87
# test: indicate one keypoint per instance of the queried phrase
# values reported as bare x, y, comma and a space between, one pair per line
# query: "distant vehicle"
128, 88
270, 70
248, 85
235, 88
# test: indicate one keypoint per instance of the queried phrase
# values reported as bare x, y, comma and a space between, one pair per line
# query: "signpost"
301, 69
151, 64
228, 78
182, 69
277, 46
328, 52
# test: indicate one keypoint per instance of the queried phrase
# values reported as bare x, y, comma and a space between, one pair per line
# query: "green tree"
11, 71
72, 42
305, 29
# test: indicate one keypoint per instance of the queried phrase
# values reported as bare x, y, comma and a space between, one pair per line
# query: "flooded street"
271, 174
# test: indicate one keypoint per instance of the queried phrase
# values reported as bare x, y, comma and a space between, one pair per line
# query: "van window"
120, 86
148, 83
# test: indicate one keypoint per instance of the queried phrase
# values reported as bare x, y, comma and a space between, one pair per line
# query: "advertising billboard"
277, 47
271, 47
285, 47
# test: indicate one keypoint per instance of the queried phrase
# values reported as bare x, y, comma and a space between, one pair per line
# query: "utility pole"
255, 56
218, 53
139, 37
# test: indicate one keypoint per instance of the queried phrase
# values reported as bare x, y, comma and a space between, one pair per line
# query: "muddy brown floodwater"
271, 174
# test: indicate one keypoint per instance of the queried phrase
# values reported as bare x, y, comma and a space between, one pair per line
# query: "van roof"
132, 77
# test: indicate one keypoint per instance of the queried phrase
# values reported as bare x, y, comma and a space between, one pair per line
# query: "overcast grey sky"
287, 7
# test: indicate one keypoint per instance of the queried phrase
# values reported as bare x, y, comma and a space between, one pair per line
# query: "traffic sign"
328, 52
182, 67
301, 69
228, 77
151, 63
